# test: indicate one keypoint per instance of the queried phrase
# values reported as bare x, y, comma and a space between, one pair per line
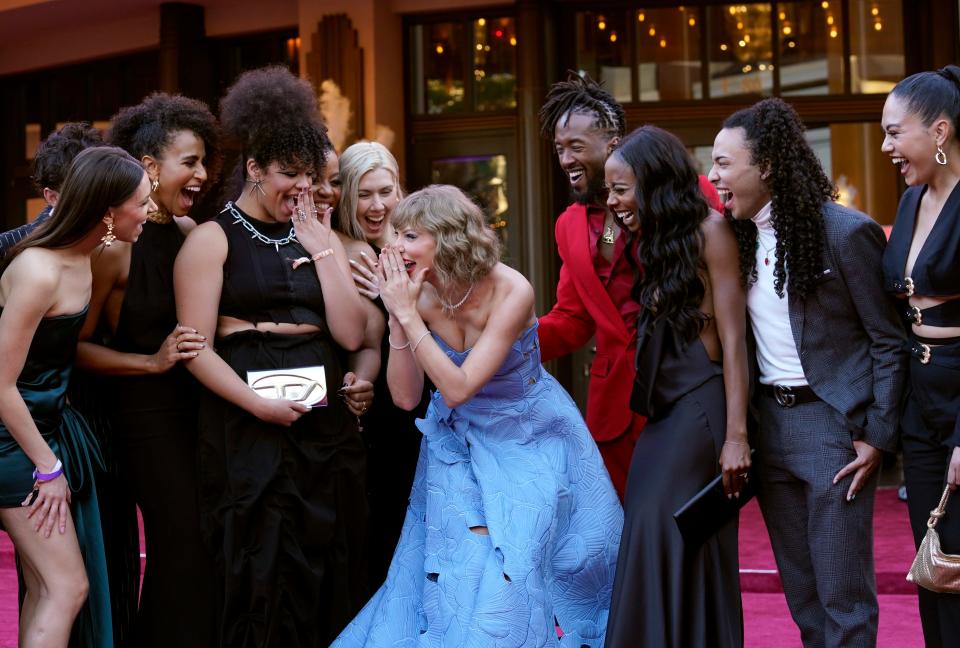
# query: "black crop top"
259, 281
936, 272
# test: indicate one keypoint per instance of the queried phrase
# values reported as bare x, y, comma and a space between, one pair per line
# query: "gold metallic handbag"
932, 569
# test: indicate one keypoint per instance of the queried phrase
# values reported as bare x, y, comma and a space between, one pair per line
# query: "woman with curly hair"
513, 525
133, 350
691, 384
281, 459
829, 363
370, 181
49, 458
921, 267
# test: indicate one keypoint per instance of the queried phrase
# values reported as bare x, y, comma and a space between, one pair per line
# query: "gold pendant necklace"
609, 235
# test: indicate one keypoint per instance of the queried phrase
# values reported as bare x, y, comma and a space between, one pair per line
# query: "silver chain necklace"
255, 234
453, 307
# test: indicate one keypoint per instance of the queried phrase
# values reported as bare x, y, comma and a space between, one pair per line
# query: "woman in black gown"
44, 292
267, 280
692, 385
135, 349
921, 267
370, 181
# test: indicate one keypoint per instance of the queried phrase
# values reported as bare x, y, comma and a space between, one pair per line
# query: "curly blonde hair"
467, 249
358, 160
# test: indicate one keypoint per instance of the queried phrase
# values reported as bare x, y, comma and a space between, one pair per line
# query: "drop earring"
108, 238
155, 185
940, 157
258, 185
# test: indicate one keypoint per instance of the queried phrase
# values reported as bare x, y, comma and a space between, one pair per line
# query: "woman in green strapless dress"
47, 453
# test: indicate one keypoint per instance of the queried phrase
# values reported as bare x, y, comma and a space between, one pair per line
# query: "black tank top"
147, 316
260, 283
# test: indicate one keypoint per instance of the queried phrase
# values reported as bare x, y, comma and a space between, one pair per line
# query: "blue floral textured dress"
518, 459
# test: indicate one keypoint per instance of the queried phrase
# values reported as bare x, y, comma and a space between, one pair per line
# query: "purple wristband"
50, 476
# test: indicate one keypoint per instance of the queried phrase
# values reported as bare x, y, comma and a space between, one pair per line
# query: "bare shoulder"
185, 223
111, 261
34, 269
512, 285
354, 248
719, 240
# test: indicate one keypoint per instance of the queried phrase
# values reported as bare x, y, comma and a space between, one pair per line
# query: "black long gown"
664, 594
283, 508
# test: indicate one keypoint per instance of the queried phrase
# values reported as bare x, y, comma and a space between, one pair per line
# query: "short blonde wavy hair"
467, 248
358, 160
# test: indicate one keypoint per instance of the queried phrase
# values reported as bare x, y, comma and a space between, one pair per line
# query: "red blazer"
583, 310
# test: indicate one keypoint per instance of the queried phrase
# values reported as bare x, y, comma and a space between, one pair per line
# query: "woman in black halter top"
921, 267
133, 351
268, 282
691, 383
48, 454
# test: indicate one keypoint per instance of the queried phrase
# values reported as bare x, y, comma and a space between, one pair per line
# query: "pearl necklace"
255, 234
453, 307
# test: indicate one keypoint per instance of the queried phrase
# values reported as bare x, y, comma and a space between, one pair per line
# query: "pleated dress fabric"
517, 459
43, 384
668, 595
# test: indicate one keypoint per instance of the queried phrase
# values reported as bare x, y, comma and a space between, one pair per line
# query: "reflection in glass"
495, 63
740, 49
811, 47
668, 48
876, 45
438, 79
484, 179
603, 50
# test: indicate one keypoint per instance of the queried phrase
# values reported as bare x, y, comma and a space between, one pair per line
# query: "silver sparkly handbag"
933, 569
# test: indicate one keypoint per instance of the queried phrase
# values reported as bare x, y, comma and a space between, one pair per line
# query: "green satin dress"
43, 385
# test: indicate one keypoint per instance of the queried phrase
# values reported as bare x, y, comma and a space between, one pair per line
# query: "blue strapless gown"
518, 459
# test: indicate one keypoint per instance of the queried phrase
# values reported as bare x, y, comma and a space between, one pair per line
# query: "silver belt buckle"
908, 284
924, 353
784, 395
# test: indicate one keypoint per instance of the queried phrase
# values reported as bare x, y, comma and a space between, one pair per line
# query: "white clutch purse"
306, 385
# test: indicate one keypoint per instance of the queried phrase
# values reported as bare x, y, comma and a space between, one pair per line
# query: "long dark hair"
671, 209
798, 188
99, 178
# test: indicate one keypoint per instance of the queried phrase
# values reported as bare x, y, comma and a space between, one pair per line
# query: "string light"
663, 42
652, 31
723, 47
825, 4
739, 25
513, 41
641, 16
692, 22
746, 38
482, 22
875, 11
783, 15
733, 11
439, 49
613, 37
742, 43
787, 30
878, 26
479, 47
601, 24
829, 20
833, 33
747, 68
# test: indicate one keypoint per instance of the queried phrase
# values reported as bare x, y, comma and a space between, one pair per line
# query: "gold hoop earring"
155, 185
940, 157
108, 238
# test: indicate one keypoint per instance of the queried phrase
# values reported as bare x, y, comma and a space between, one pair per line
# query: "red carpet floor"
766, 617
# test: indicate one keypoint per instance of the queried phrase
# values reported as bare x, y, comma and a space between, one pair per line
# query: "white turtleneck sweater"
770, 314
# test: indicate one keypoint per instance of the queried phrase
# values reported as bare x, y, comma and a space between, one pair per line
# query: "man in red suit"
596, 279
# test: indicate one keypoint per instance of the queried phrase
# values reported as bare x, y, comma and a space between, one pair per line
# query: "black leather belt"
787, 396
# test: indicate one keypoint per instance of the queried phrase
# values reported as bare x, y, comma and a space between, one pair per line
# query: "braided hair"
581, 95
798, 188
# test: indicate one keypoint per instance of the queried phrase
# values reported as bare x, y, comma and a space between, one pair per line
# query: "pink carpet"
766, 617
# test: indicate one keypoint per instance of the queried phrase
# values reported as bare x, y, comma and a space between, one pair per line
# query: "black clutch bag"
709, 510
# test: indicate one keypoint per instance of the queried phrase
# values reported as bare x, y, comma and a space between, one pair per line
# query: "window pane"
438, 71
31, 134
603, 51
876, 45
740, 50
864, 177
668, 50
811, 48
484, 179
495, 63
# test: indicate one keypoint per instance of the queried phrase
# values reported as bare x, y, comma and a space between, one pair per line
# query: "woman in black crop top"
280, 481
921, 268
135, 350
